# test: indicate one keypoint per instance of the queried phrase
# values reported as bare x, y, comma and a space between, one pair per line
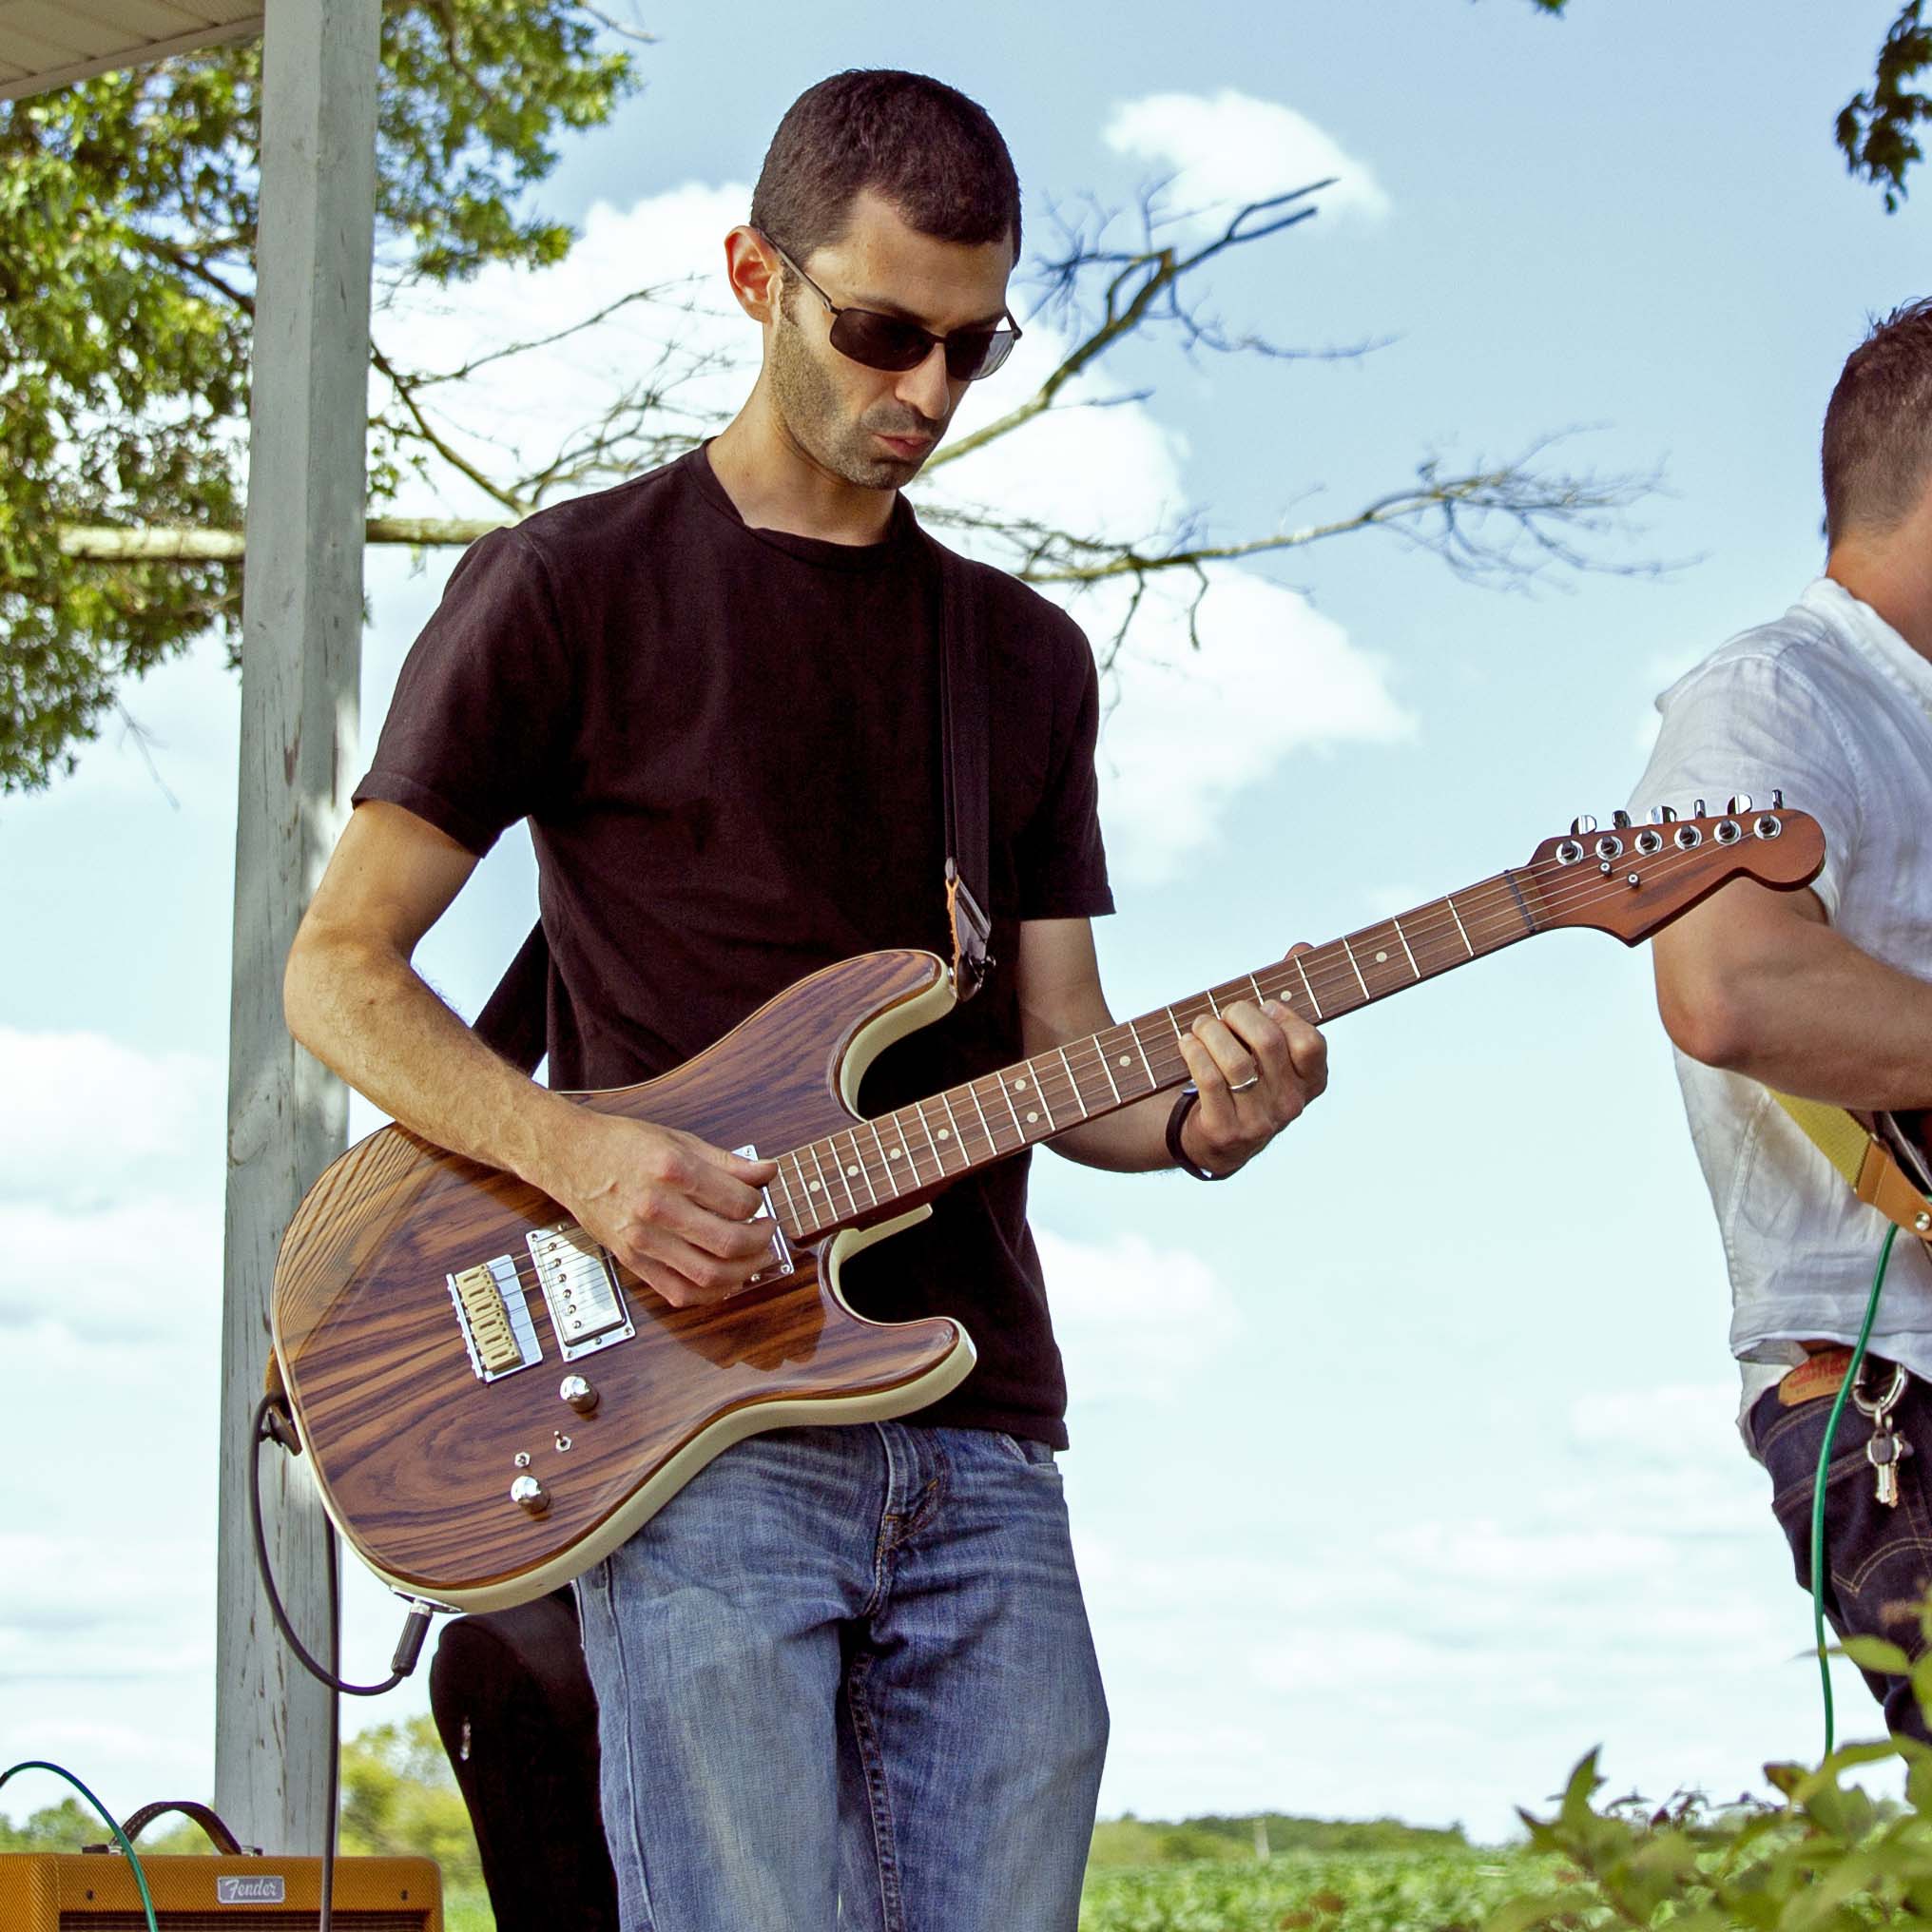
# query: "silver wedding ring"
1252, 1080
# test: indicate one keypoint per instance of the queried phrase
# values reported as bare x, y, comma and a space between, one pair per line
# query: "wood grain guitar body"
416, 1455
490, 1405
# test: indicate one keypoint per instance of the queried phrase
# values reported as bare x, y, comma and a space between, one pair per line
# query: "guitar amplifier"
44, 1891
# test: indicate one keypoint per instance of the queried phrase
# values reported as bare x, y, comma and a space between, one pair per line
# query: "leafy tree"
128, 212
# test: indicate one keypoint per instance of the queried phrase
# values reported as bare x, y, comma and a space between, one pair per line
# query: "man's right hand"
676, 1211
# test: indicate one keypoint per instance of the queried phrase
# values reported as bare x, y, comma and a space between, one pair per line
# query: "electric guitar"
490, 1403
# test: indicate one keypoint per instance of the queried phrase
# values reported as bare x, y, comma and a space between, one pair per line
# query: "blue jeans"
844, 1678
1878, 1556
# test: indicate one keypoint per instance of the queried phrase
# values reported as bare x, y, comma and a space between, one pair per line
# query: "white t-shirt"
1830, 705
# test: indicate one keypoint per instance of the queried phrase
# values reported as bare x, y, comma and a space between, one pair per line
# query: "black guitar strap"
965, 726
515, 1018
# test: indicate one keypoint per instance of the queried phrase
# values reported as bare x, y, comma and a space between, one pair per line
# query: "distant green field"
1439, 1889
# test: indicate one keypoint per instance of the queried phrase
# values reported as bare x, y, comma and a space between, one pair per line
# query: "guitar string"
1424, 926
1479, 902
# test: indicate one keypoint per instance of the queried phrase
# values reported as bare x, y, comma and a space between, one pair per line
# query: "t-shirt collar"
1870, 636
901, 532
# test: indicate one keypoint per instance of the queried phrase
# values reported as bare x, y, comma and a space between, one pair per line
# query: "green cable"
121, 1838
1871, 1309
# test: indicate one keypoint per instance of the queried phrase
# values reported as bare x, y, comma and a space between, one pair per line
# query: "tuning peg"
1777, 800
1697, 811
1620, 821
1580, 825
1663, 814
1740, 803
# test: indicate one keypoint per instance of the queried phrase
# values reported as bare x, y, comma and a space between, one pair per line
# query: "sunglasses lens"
880, 341
979, 352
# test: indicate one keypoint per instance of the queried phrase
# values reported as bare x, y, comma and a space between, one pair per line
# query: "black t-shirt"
726, 743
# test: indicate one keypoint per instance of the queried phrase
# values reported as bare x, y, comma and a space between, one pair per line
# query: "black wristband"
1182, 1107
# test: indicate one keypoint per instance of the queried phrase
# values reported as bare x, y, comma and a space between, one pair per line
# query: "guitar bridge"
493, 1314
586, 1304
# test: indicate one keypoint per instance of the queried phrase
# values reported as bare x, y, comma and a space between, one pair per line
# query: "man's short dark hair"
1878, 427
921, 145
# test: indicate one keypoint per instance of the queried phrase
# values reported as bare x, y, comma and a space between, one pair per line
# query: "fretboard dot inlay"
1125, 1061
1381, 959
850, 1172
1031, 1118
811, 1186
1019, 1086
945, 1134
897, 1153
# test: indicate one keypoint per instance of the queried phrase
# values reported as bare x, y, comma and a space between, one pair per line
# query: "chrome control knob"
579, 1394
1621, 820
1740, 804
1578, 827
1663, 814
528, 1494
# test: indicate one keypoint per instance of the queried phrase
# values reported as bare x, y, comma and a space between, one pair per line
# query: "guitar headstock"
1631, 880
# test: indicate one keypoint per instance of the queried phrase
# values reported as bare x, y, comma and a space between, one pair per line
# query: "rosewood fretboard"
856, 1174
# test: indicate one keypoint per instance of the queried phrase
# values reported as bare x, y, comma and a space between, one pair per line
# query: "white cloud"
82, 1110
1135, 1322
1229, 148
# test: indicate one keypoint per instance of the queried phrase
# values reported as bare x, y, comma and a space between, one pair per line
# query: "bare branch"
611, 25
425, 432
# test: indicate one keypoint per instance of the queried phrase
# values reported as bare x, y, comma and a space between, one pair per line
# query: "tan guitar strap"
1853, 1144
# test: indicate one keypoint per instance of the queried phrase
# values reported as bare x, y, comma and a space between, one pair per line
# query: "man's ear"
754, 272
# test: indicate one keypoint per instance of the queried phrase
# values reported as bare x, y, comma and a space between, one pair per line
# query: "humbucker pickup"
586, 1304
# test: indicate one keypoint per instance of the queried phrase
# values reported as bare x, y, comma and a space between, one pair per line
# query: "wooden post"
301, 660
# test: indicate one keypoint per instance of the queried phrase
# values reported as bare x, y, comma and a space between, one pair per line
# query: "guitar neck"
862, 1171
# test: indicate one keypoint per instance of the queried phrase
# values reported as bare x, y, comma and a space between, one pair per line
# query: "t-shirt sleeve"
1752, 721
477, 732
1061, 860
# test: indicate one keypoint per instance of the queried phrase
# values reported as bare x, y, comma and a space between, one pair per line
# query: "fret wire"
1309, 989
858, 1155
1006, 1095
1407, 948
884, 1160
934, 1146
1106, 1066
1449, 901
1079, 1098
952, 1120
1359, 980
906, 1142
985, 1125
1140, 1047
791, 1205
819, 1187
1053, 1124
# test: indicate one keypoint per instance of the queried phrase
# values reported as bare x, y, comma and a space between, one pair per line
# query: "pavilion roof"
47, 42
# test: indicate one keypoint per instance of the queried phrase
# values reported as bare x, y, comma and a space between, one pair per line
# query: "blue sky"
1403, 1468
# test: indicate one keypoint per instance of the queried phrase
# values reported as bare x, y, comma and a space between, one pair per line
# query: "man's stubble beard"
814, 416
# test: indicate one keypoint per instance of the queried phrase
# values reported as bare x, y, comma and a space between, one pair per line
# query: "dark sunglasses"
892, 342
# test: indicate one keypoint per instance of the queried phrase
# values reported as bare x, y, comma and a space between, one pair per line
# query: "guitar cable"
273, 1423
1845, 1388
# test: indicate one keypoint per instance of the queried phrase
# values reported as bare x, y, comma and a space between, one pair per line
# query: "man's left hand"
1256, 1067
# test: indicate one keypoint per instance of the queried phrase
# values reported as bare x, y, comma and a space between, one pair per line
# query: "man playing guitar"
1823, 994
844, 1675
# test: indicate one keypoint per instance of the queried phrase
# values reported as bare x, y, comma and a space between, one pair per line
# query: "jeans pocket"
1024, 1449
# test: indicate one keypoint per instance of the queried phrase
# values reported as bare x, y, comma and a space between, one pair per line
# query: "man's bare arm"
1758, 983
1060, 999
674, 1210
